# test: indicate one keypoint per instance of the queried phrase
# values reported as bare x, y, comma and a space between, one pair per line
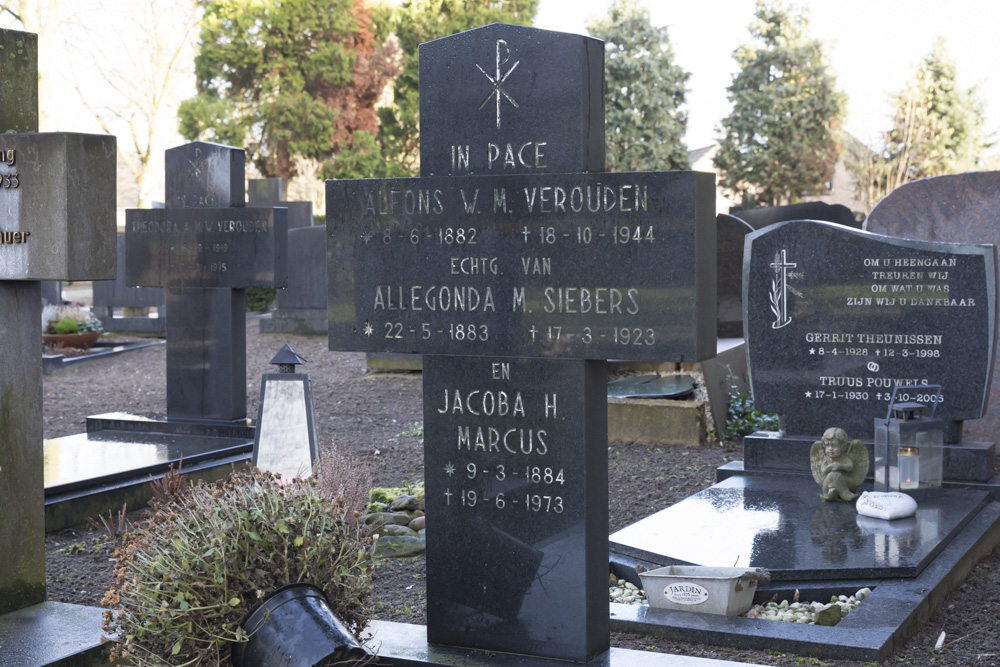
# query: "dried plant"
114, 528
172, 487
343, 475
186, 578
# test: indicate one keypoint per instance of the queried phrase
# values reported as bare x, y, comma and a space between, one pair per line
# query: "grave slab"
877, 628
53, 633
837, 317
782, 525
957, 208
88, 474
405, 645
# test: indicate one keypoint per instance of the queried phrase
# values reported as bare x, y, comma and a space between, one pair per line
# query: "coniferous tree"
937, 128
418, 21
644, 92
290, 80
780, 141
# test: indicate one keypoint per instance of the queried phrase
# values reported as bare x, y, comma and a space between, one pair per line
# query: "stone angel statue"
838, 467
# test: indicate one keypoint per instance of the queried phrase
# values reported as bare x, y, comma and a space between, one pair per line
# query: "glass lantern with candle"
909, 446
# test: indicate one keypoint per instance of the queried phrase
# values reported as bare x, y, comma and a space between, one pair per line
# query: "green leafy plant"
69, 319
380, 497
742, 418
186, 577
259, 299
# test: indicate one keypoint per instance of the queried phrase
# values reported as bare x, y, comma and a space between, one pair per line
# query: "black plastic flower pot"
295, 627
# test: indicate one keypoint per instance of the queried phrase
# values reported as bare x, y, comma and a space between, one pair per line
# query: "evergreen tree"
418, 21
937, 128
780, 142
644, 92
292, 80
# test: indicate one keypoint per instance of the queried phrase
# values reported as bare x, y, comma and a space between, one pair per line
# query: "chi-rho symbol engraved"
503, 57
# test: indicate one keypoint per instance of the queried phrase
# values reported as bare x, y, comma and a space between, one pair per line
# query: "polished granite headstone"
837, 317
271, 192
782, 525
591, 266
516, 484
509, 99
474, 257
761, 217
301, 306
110, 295
730, 233
958, 208
206, 247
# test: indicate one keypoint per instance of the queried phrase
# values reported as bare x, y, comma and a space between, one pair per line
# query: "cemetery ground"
379, 416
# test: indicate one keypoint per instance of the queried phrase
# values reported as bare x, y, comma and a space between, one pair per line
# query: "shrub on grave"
186, 578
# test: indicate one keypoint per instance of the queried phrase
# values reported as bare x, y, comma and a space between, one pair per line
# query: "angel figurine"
837, 467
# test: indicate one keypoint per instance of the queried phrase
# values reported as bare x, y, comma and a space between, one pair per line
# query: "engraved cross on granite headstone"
512, 246
206, 248
57, 222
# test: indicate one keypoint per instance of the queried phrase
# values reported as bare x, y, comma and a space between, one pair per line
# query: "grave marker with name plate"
206, 248
507, 247
509, 473
836, 318
561, 265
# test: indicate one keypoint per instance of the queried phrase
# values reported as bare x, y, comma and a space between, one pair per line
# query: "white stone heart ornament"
886, 505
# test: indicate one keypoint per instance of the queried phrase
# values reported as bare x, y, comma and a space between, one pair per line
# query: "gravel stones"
624, 592
810, 613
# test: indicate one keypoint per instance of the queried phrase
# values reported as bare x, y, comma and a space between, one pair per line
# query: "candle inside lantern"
909, 468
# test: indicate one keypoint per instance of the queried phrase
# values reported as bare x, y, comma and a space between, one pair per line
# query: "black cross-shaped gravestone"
57, 222
206, 248
513, 244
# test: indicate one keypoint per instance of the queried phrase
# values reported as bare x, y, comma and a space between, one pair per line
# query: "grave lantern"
285, 440
908, 445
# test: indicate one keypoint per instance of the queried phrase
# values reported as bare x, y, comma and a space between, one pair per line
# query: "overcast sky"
871, 44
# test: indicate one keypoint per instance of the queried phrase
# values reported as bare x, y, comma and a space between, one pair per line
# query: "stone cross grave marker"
506, 249
57, 222
837, 317
206, 248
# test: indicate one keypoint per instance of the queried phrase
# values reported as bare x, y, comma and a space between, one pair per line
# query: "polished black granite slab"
53, 633
782, 525
836, 317
515, 460
594, 266
968, 461
81, 460
405, 645
876, 629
